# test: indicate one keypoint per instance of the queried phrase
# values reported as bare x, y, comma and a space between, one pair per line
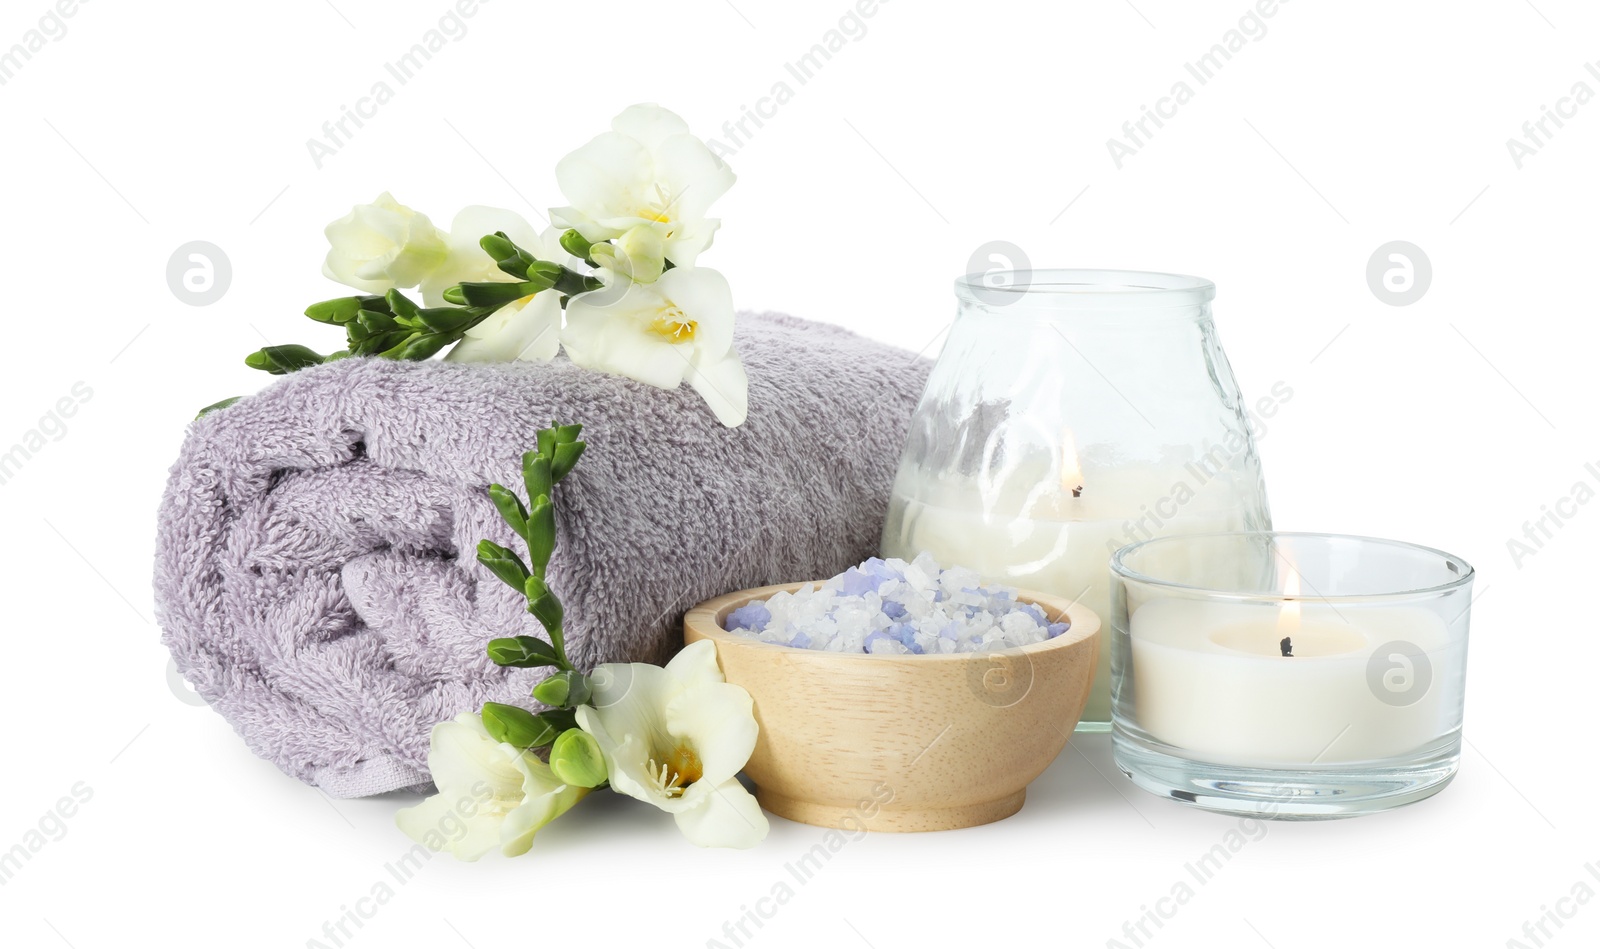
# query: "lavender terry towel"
315, 574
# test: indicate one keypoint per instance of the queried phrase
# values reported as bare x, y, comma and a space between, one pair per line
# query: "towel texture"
315, 574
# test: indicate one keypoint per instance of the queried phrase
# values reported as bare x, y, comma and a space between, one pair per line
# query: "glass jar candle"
1288, 675
1072, 412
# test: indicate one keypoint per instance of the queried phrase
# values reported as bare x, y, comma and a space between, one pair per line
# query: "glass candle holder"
1294, 676
1072, 412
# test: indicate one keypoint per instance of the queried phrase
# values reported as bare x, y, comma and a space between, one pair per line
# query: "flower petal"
689, 240
649, 123
429, 817
718, 721
626, 762
692, 174
527, 329
461, 754
705, 297
605, 174
474, 222
725, 387
628, 698
612, 335
695, 665
545, 799
727, 816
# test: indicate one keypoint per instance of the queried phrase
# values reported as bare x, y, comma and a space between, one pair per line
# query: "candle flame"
1071, 469
1289, 616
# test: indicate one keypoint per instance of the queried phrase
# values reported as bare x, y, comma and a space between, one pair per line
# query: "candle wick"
1078, 491
1286, 647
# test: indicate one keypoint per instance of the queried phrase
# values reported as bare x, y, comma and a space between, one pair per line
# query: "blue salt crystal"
875, 566
1056, 629
894, 609
855, 583
751, 616
801, 640
950, 630
907, 634
1035, 611
872, 637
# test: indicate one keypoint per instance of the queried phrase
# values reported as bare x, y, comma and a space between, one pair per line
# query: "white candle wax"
1033, 534
1210, 677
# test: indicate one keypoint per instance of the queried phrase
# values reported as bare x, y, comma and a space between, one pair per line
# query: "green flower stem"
534, 522
392, 326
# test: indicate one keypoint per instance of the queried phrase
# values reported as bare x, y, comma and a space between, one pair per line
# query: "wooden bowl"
904, 743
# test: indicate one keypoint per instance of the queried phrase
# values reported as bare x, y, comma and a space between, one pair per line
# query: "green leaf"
541, 532
565, 433
566, 688
215, 406
522, 652
535, 588
536, 475
455, 295
545, 440
517, 726
566, 459
281, 360
576, 759
511, 508
503, 563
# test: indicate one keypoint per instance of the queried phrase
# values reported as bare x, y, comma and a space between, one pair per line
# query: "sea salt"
891, 607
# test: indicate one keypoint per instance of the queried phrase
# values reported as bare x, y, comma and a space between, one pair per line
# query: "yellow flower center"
678, 768
660, 209
673, 325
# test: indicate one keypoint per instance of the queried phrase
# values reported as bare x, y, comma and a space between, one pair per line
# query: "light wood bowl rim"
705, 621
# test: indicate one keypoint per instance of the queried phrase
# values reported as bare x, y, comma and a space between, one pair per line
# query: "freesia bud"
575, 758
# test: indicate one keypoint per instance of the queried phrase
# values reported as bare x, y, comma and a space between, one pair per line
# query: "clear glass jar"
1072, 412
1294, 676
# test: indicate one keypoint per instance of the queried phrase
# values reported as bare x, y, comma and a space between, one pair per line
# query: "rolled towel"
316, 577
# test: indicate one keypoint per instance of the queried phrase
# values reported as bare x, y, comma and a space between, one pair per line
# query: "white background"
1450, 421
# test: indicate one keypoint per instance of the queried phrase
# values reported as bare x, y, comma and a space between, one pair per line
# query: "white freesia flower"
678, 328
490, 794
675, 737
648, 170
528, 328
380, 246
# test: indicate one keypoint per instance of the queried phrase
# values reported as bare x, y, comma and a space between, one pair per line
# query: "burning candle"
1051, 523
1291, 679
